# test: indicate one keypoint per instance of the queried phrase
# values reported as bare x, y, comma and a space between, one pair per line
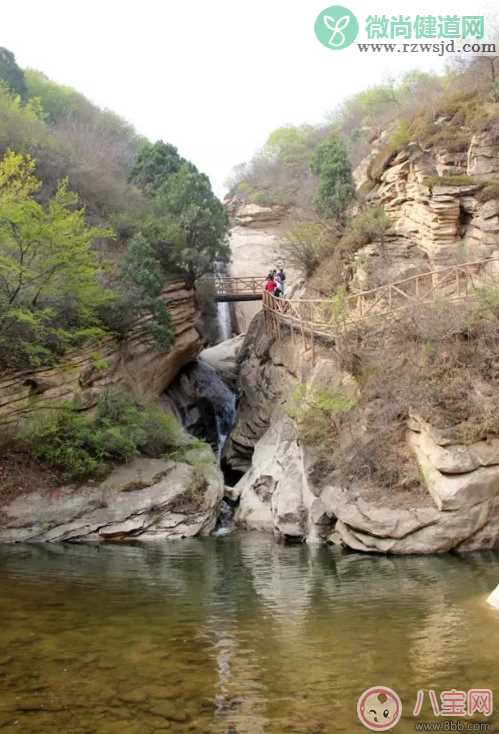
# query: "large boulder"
223, 358
202, 402
280, 494
148, 499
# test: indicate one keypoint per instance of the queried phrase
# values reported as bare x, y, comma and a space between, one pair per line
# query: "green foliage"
280, 173
77, 446
190, 202
21, 128
336, 189
52, 275
335, 309
401, 136
488, 302
12, 74
318, 415
154, 164
57, 100
289, 145
49, 275
460, 180
188, 231
370, 224
143, 270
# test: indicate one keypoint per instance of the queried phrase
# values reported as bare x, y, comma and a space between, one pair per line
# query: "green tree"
12, 74
50, 286
57, 100
331, 164
288, 144
199, 219
154, 164
188, 228
143, 270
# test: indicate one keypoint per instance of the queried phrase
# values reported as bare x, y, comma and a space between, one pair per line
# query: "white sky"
211, 77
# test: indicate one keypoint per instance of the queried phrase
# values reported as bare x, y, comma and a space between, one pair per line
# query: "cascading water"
224, 320
205, 404
206, 408
223, 311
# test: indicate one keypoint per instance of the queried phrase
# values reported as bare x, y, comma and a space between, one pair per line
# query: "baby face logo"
336, 27
379, 708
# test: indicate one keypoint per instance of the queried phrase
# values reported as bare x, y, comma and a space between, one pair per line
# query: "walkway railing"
330, 317
238, 289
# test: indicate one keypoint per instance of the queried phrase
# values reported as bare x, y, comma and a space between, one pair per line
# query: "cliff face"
438, 200
135, 364
455, 506
254, 234
443, 209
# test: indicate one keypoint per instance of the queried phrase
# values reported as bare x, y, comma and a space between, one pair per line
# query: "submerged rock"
148, 499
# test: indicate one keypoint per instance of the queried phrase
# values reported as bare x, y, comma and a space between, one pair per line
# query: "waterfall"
206, 407
223, 310
224, 321
204, 403
225, 421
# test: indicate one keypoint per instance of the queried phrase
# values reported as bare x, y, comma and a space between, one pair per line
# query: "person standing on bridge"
279, 288
270, 284
282, 277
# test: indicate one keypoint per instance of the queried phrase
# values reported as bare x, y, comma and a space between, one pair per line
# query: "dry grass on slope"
440, 361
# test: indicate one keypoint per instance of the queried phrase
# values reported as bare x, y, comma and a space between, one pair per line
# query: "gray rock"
223, 359
148, 499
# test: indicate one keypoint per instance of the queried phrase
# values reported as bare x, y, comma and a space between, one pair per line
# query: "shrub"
78, 446
51, 278
437, 360
318, 417
305, 245
208, 309
401, 136
335, 268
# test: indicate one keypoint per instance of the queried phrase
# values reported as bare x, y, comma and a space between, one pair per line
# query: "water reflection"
237, 634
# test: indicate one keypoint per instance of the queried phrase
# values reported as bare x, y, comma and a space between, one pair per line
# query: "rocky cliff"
135, 364
443, 206
254, 233
443, 203
455, 506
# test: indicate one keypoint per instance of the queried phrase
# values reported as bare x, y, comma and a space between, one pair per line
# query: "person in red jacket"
270, 284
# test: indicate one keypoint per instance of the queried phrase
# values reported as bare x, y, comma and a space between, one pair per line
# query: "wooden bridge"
229, 289
328, 318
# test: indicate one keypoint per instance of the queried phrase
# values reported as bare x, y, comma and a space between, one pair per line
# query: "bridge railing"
226, 285
330, 316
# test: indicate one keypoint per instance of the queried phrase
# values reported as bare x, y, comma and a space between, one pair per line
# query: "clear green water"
237, 634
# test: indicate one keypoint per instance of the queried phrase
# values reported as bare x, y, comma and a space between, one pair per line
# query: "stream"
234, 634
